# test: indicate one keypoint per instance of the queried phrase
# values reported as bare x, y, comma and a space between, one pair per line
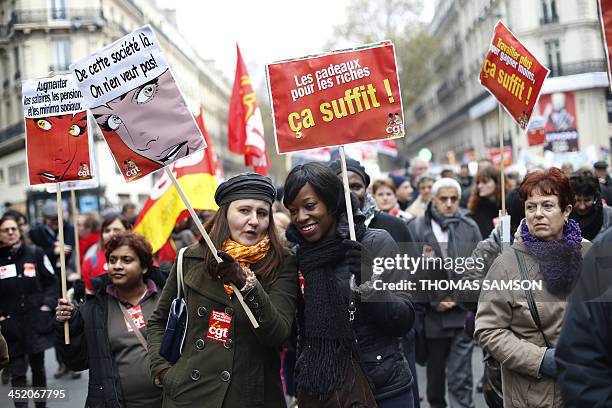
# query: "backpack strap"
180, 290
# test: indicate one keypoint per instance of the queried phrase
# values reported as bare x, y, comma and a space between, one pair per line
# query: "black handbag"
176, 328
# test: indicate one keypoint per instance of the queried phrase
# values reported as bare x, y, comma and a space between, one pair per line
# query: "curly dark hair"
135, 241
586, 184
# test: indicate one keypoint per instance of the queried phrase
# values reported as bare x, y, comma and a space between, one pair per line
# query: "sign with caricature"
57, 136
336, 98
129, 88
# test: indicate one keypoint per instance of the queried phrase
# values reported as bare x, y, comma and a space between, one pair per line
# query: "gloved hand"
548, 367
230, 271
79, 290
358, 259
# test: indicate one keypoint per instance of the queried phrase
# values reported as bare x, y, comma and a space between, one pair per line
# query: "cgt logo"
395, 125
219, 333
131, 169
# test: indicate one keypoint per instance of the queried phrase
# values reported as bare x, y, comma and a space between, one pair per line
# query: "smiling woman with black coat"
347, 329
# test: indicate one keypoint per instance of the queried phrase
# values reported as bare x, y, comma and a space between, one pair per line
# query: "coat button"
378, 358
229, 343
225, 376
251, 298
229, 311
254, 305
199, 344
195, 375
202, 311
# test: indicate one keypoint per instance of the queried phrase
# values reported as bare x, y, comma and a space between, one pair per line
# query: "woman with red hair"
519, 324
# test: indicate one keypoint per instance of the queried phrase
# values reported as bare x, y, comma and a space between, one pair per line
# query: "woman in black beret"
348, 350
225, 361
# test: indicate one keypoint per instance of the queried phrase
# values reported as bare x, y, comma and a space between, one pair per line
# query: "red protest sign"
336, 98
57, 131
513, 75
605, 18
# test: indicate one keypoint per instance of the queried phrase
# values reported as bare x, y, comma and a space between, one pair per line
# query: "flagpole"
77, 249
347, 195
209, 242
60, 225
501, 151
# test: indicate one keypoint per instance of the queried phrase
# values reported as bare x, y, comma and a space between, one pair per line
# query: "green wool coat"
244, 370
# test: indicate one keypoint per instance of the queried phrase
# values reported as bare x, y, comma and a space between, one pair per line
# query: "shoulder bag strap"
180, 290
135, 329
533, 309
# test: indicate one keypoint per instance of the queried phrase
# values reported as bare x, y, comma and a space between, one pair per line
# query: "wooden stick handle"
75, 221
209, 242
347, 195
60, 226
501, 151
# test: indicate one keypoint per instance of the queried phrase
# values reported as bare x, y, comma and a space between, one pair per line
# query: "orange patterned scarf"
246, 255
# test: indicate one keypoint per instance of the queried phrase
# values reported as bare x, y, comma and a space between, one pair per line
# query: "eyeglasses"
9, 229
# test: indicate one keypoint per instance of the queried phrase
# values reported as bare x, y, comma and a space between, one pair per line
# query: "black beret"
601, 165
245, 186
351, 165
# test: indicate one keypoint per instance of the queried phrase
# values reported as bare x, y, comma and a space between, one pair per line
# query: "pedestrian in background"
28, 293
96, 264
485, 202
589, 212
419, 205
439, 233
384, 191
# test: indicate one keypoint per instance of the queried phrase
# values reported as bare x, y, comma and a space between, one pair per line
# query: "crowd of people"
289, 310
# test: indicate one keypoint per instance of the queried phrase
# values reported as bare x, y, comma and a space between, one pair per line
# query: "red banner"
605, 18
245, 125
495, 156
555, 123
513, 75
336, 98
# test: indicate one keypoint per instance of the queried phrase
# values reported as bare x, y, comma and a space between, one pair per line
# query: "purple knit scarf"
560, 261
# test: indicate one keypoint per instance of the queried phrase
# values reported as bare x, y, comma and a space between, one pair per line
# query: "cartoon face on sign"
58, 148
148, 127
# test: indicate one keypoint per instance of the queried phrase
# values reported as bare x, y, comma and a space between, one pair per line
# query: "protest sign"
605, 18
336, 98
129, 88
554, 123
57, 136
513, 75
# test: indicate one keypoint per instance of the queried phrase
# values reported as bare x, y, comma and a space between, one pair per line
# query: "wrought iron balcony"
46, 15
11, 132
580, 67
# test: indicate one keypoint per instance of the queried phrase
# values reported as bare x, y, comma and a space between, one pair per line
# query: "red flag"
208, 153
164, 207
245, 126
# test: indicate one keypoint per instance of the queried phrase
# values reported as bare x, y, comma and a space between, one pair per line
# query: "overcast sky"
266, 31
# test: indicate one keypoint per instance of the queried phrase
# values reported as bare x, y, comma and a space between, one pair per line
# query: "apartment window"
549, 12
16, 58
1, 176
61, 54
58, 9
553, 57
16, 174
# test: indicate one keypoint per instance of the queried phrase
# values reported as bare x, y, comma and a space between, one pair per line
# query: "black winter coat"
379, 324
442, 324
90, 347
27, 282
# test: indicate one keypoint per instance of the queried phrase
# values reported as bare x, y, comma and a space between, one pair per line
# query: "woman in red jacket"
96, 265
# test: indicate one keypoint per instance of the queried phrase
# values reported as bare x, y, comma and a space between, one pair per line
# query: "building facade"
39, 36
457, 119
